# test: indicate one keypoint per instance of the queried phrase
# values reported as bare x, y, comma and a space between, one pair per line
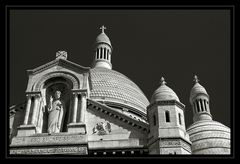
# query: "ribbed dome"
164, 93
209, 137
112, 86
103, 38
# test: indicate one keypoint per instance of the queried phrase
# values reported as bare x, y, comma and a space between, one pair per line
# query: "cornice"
60, 62
166, 102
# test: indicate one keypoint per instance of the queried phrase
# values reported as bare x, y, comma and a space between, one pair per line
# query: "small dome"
164, 93
209, 137
197, 89
103, 38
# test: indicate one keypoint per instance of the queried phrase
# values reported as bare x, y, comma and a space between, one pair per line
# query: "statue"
56, 109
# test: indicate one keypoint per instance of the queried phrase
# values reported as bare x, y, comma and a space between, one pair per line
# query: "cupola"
103, 51
164, 93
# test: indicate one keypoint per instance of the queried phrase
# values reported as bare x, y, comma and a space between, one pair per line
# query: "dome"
164, 93
103, 38
209, 137
112, 86
197, 89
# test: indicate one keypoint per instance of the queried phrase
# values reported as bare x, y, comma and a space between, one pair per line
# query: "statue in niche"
56, 108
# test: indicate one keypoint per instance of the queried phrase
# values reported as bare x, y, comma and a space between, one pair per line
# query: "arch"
66, 75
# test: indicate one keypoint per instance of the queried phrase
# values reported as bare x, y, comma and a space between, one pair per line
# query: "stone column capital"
83, 94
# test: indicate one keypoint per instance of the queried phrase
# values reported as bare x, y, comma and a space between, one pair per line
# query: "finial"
162, 81
61, 55
196, 80
103, 28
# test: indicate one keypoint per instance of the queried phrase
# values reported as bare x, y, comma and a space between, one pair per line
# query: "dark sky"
147, 44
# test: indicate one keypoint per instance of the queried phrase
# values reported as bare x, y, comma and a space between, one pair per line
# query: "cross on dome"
103, 28
162, 81
196, 80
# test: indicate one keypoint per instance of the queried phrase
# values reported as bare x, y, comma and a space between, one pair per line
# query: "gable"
59, 63
121, 127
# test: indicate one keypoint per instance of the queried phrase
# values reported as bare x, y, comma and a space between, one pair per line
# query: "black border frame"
17, 5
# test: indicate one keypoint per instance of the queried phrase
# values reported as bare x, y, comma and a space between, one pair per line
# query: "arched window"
167, 116
201, 102
179, 118
104, 53
101, 52
197, 104
107, 54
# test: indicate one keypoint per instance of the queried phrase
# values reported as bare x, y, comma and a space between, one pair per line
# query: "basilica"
76, 110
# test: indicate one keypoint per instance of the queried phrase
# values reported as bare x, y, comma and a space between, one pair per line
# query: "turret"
166, 123
199, 100
103, 51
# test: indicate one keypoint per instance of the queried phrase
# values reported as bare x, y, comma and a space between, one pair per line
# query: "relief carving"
102, 128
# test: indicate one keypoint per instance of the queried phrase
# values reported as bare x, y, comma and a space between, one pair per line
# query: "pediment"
59, 63
109, 112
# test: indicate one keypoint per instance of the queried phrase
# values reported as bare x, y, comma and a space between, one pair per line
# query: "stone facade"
105, 113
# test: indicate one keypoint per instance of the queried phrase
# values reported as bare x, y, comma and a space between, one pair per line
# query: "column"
36, 98
27, 109
83, 107
40, 117
208, 108
75, 107
99, 52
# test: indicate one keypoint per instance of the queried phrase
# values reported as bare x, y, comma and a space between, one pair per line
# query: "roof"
164, 93
103, 38
112, 86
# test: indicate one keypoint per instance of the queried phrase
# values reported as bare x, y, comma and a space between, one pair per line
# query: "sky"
147, 44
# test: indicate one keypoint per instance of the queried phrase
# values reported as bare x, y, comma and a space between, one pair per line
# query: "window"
107, 54
198, 109
201, 102
167, 116
104, 53
179, 118
101, 52
154, 120
205, 105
